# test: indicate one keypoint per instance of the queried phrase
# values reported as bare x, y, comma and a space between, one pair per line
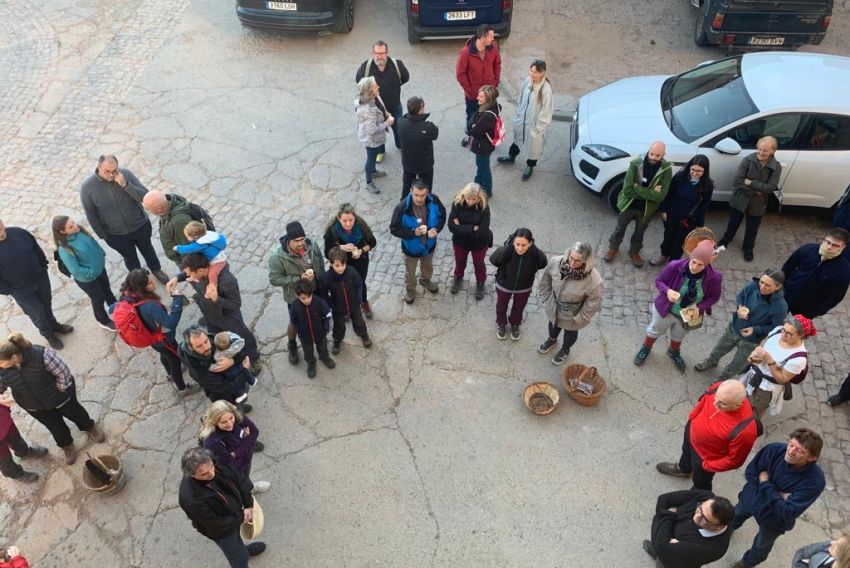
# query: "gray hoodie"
112, 209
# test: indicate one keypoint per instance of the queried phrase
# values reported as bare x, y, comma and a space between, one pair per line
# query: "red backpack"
498, 130
130, 326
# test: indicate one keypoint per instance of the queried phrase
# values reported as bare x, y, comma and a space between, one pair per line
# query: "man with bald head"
645, 186
173, 213
719, 435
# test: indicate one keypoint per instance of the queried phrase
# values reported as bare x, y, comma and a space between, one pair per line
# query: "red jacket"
16, 562
473, 73
710, 429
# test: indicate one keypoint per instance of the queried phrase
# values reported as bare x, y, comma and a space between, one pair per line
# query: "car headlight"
604, 152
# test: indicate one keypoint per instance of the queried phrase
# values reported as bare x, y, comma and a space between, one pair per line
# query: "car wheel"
612, 191
506, 33
345, 20
700, 35
412, 37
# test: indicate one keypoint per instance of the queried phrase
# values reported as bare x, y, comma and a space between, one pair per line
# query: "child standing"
208, 243
342, 287
227, 346
311, 317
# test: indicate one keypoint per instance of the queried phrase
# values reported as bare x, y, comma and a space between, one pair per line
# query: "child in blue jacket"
208, 243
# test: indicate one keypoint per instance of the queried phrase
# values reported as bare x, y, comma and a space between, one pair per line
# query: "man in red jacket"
720, 433
478, 64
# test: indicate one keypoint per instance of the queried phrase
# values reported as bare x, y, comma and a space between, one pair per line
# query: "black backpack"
62, 268
198, 213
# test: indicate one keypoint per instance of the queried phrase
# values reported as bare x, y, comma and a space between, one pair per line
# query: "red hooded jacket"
710, 429
16, 562
473, 72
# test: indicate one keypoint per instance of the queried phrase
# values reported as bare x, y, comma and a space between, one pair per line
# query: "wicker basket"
586, 375
541, 397
696, 236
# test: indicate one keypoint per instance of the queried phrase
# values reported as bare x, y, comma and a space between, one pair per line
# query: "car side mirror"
728, 146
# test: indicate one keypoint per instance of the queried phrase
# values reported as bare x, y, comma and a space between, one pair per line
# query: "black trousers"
171, 362
751, 229
235, 324
100, 294
690, 462
409, 177
674, 238
13, 442
37, 303
570, 336
321, 346
844, 392
54, 420
357, 322
126, 246
361, 265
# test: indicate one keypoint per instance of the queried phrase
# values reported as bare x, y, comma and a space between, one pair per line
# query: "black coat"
216, 507
22, 262
333, 239
515, 272
417, 135
228, 385
227, 305
312, 322
464, 234
693, 550
33, 386
482, 125
389, 80
342, 291
812, 287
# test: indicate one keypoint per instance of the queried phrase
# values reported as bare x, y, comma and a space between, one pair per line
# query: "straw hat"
252, 530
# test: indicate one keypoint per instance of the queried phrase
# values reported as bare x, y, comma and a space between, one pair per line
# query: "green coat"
171, 225
632, 189
285, 271
752, 199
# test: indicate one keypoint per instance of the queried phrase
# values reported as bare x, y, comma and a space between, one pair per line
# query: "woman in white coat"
533, 116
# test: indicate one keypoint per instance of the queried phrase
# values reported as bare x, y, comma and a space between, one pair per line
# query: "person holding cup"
352, 234
761, 307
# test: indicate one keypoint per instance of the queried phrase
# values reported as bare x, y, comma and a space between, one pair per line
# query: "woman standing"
688, 288
353, 235
372, 124
571, 290
42, 384
86, 262
516, 262
469, 223
482, 130
12, 441
232, 437
140, 288
533, 115
683, 210
779, 358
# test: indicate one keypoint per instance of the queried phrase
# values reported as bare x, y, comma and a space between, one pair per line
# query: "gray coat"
752, 199
570, 304
371, 124
112, 209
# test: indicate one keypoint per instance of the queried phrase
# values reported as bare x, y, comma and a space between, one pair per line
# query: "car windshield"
704, 99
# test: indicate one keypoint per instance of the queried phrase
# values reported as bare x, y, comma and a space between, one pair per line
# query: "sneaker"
611, 255
311, 370
379, 158
244, 407
409, 296
642, 354
658, 261
430, 286
479, 291
259, 447
35, 452
160, 275
456, 282
260, 487
109, 326
70, 453
366, 309
372, 188
379, 174
95, 434
515, 333
367, 341
723, 243
670, 468
255, 548
835, 400
547, 345
464, 141
705, 365
560, 356
188, 390
676, 357
502, 331
636, 259
26, 477
54, 342
329, 363
337, 347
292, 347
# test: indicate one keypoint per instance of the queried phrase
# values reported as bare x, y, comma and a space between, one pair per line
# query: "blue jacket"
763, 499
404, 223
763, 316
812, 287
683, 197
85, 259
210, 248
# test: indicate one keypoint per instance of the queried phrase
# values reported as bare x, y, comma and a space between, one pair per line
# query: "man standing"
296, 258
23, 275
817, 275
390, 74
478, 64
416, 220
112, 199
173, 213
417, 136
690, 529
645, 186
719, 435
217, 499
783, 480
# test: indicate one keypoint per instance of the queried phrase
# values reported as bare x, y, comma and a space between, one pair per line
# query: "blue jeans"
483, 177
234, 550
471, 109
397, 113
371, 156
762, 543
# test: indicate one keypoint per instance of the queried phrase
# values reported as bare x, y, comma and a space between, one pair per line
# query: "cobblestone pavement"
418, 452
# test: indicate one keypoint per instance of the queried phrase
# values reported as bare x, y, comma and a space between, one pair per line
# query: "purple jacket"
235, 450
671, 279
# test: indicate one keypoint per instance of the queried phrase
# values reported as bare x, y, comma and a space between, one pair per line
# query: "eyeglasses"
790, 333
831, 244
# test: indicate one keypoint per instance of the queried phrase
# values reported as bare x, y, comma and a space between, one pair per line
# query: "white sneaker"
261, 487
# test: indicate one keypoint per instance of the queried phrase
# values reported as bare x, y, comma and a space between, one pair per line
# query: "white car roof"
777, 80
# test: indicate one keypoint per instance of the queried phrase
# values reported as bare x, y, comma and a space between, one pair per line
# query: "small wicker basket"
696, 236
541, 397
587, 375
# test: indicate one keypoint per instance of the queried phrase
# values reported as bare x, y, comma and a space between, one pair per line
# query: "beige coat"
581, 297
532, 119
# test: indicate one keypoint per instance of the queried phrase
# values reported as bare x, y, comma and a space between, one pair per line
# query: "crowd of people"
767, 333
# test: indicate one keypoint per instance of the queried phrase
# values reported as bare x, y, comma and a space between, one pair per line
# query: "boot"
95, 434
409, 296
429, 285
479, 290
636, 259
54, 342
526, 173
367, 341
336, 347
311, 370
35, 452
366, 309
70, 453
27, 477
611, 255
329, 363
456, 282
64, 328
292, 348
506, 159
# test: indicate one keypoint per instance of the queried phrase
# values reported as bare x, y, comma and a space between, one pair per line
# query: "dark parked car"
754, 24
431, 19
300, 15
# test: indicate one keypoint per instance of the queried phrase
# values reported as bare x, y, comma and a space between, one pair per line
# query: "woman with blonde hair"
469, 223
232, 437
482, 131
373, 122
42, 384
571, 290
829, 554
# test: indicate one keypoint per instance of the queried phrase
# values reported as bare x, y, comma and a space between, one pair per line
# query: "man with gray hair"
112, 199
390, 74
719, 435
217, 499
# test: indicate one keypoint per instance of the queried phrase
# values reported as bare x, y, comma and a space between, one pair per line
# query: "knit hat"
294, 230
703, 252
808, 327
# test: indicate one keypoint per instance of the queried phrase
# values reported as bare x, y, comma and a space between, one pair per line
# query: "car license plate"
286, 6
767, 40
466, 15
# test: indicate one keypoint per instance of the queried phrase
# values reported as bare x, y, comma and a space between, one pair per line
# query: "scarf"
353, 237
568, 273
691, 294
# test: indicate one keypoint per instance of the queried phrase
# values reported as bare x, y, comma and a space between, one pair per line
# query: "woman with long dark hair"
684, 208
517, 262
482, 130
352, 234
